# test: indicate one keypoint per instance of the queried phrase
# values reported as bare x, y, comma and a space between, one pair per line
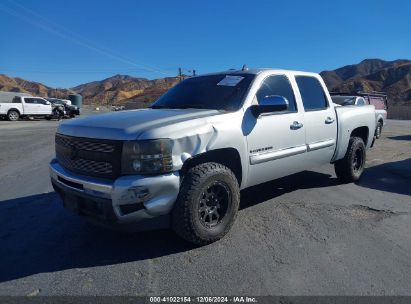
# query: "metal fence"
399, 112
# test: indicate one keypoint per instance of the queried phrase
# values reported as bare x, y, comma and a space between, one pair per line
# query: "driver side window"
278, 85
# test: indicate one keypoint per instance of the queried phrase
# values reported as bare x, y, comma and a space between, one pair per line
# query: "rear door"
320, 120
276, 141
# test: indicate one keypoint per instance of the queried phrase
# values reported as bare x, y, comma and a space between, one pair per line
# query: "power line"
64, 71
76, 39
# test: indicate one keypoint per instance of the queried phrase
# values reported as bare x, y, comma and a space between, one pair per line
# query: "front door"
276, 141
43, 106
30, 106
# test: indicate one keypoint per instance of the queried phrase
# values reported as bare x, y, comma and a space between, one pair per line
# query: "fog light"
135, 195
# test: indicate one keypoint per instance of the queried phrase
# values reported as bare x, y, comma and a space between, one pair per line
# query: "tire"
13, 115
207, 204
350, 168
378, 130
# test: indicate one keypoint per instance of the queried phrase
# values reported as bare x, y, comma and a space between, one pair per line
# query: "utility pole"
194, 73
180, 74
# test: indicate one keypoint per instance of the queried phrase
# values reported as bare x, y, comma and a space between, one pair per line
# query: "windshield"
220, 92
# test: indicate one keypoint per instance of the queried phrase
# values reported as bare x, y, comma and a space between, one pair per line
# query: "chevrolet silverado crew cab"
21, 106
183, 161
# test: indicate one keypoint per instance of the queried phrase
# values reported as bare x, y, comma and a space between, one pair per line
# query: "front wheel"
207, 204
350, 168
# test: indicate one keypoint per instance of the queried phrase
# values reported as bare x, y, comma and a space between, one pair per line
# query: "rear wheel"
207, 204
378, 130
13, 115
350, 168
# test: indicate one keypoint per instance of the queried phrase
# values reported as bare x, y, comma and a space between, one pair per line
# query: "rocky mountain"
116, 90
393, 77
10, 84
123, 89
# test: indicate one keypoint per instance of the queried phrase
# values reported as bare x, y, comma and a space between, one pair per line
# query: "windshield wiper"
189, 106
159, 107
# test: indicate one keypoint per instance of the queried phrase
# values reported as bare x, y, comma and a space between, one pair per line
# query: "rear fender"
354, 121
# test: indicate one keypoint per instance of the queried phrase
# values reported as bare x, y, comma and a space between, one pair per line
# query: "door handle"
296, 125
329, 120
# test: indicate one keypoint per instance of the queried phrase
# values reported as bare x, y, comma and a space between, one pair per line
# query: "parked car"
69, 109
182, 163
377, 99
23, 106
118, 108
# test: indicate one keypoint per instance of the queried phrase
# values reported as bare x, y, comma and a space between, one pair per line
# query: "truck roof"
261, 70
8, 96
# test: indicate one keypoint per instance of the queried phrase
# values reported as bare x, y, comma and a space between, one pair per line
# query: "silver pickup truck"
182, 162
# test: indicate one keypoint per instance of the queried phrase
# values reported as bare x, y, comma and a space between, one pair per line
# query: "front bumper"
126, 200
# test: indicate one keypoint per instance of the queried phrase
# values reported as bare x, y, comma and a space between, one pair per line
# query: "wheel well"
228, 157
361, 132
14, 109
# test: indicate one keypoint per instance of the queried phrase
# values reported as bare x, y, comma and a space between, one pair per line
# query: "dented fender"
198, 136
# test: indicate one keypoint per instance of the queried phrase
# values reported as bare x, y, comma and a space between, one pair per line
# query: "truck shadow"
401, 137
304, 180
38, 235
394, 177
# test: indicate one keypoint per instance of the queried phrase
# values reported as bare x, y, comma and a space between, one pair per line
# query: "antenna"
180, 74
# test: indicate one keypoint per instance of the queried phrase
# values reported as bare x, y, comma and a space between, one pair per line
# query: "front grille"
92, 157
84, 144
87, 165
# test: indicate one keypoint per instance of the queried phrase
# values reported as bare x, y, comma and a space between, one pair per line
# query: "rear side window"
278, 85
312, 93
16, 100
360, 102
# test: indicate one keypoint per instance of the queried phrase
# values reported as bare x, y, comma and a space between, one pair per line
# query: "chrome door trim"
268, 156
320, 145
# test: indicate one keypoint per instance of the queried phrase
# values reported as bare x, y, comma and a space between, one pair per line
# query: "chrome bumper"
155, 194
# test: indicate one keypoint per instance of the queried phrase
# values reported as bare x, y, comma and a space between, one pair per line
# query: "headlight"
147, 157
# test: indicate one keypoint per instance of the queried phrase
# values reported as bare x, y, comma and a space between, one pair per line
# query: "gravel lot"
306, 234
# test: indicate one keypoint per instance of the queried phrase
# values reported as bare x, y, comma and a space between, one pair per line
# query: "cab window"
360, 102
312, 93
30, 100
41, 101
278, 85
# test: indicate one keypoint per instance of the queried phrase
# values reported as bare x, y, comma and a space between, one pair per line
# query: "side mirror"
271, 103
48, 103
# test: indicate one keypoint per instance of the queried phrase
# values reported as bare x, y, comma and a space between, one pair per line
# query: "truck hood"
129, 125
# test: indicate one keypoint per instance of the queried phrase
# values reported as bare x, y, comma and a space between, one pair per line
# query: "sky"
67, 43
